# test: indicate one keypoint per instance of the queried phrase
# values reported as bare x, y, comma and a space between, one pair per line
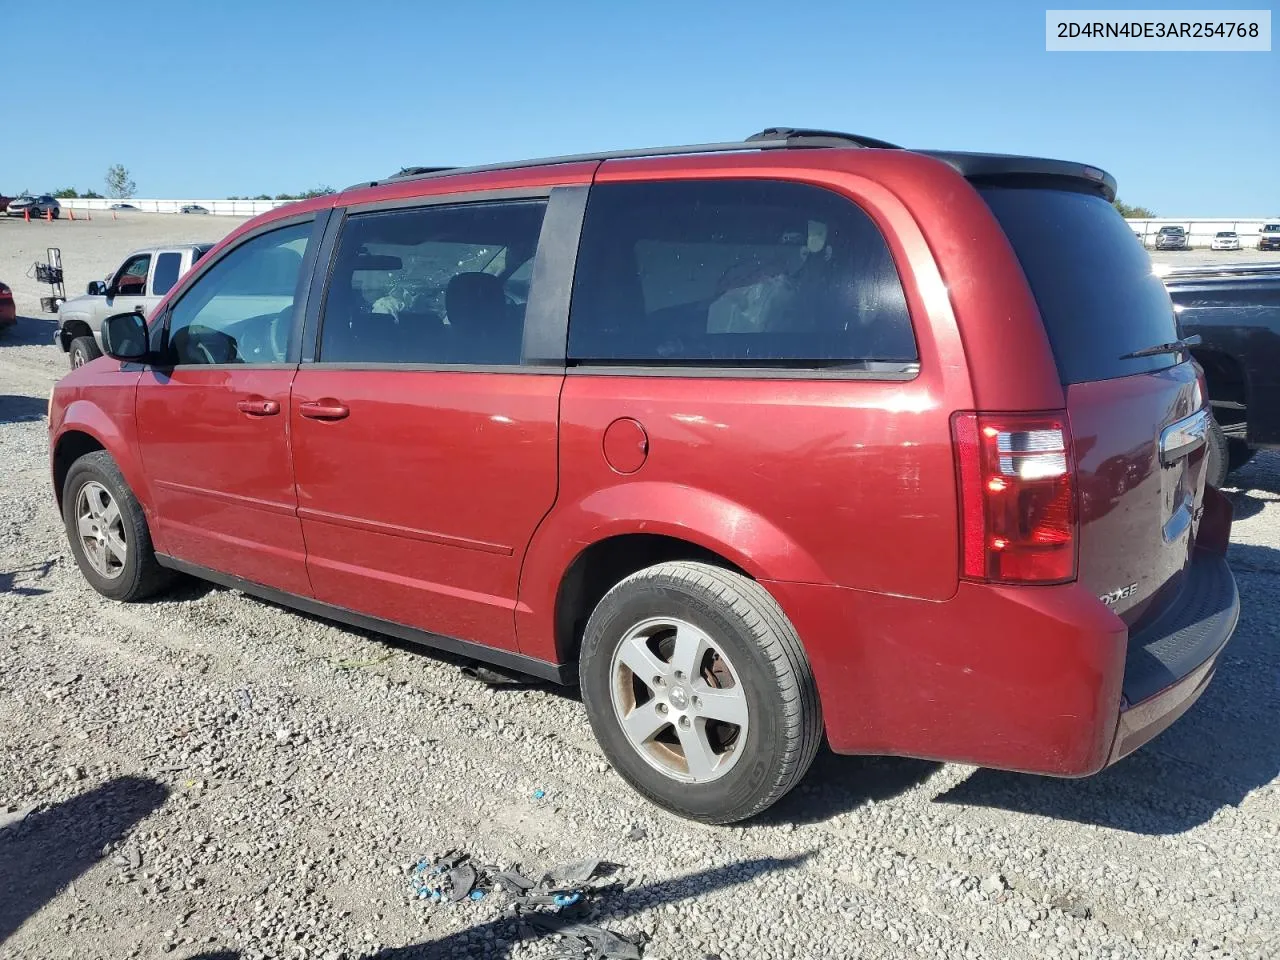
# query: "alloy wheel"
678, 700
101, 530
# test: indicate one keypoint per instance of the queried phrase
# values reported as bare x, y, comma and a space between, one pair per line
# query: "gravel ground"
208, 775
92, 249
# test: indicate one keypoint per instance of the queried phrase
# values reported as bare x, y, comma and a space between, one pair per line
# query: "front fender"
114, 430
686, 513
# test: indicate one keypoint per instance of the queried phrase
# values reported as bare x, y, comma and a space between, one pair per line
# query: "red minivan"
757, 442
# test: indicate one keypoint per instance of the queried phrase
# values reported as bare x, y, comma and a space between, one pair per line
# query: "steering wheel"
203, 352
278, 333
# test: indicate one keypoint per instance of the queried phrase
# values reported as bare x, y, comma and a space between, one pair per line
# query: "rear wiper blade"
1176, 346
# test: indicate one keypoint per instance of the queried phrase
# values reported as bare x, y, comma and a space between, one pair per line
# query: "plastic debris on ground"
550, 904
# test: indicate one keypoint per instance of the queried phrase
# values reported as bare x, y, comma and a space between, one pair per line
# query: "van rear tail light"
1017, 497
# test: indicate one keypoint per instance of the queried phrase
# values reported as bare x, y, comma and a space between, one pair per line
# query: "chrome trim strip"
1179, 439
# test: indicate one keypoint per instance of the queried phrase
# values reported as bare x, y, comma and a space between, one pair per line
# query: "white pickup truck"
138, 284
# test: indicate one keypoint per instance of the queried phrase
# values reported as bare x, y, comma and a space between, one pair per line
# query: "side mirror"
97, 288
125, 336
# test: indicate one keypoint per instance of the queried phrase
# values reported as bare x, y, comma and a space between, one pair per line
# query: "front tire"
699, 691
82, 350
108, 531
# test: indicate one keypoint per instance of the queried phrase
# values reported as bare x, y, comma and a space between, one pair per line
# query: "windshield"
1098, 296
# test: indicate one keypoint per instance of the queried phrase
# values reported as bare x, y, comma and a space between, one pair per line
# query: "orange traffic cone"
72, 212
48, 214
113, 215
26, 214
88, 215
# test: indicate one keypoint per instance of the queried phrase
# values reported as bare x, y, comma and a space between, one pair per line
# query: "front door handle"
259, 408
325, 409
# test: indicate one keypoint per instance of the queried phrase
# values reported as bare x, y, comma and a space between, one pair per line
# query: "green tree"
119, 183
1133, 213
66, 193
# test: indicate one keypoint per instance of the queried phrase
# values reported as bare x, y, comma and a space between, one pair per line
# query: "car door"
212, 418
424, 431
127, 290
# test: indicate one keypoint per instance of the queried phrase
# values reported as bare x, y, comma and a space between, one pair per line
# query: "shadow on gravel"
1225, 747
1245, 505
36, 571
839, 784
480, 940
18, 409
28, 331
51, 848
1261, 473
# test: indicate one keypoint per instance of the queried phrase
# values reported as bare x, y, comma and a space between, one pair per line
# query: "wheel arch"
613, 533
71, 328
85, 427
1226, 377
605, 563
71, 446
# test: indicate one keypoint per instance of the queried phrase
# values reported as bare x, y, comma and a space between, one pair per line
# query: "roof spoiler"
997, 168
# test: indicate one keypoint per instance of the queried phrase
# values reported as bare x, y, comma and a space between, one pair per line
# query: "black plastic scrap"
545, 905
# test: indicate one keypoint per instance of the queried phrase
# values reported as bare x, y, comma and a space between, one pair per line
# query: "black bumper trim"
1187, 635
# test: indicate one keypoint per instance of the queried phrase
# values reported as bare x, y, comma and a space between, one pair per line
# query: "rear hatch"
1140, 475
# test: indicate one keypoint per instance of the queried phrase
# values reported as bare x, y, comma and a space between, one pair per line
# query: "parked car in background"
1171, 238
720, 458
1235, 310
8, 312
1225, 240
123, 206
192, 208
36, 206
4, 202
137, 284
1269, 237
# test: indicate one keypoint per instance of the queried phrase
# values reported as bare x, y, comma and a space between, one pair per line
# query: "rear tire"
103, 520
1217, 458
747, 663
82, 350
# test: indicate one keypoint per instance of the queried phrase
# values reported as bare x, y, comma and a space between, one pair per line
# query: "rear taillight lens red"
1017, 497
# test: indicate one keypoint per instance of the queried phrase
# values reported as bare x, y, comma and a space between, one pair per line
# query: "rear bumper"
1036, 679
1169, 664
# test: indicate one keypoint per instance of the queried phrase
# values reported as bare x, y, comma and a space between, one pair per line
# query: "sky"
221, 97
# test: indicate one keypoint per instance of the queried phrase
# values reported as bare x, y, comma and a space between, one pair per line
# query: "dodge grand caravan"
800, 436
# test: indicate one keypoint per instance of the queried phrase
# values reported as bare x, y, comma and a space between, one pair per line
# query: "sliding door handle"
259, 407
325, 409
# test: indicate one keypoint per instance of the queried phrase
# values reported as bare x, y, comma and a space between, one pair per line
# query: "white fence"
226, 208
1200, 231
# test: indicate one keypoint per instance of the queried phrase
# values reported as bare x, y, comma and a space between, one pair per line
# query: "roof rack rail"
772, 138
417, 171
806, 137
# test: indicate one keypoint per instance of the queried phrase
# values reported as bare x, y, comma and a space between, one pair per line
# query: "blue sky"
208, 99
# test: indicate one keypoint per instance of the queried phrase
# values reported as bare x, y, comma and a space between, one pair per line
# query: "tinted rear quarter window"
166, 273
740, 273
1098, 296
